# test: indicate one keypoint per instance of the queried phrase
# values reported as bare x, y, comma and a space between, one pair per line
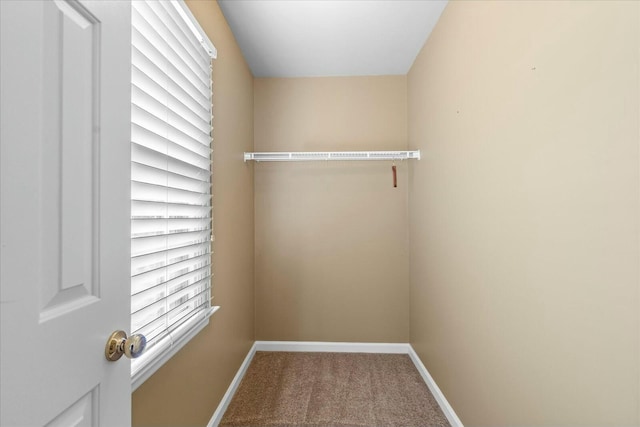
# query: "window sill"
160, 354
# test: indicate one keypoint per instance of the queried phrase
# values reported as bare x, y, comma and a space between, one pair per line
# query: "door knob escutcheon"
118, 344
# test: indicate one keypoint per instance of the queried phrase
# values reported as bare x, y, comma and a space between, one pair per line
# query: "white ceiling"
309, 38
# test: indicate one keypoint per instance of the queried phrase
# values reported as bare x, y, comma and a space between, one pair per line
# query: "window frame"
160, 354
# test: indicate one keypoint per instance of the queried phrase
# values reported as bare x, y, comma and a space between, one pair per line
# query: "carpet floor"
333, 389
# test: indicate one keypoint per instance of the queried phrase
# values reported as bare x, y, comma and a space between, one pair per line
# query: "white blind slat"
196, 51
195, 269
161, 105
168, 129
179, 47
160, 94
146, 209
147, 71
187, 289
181, 32
149, 59
154, 260
154, 29
171, 146
160, 160
154, 175
157, 227
148, 245
166, 194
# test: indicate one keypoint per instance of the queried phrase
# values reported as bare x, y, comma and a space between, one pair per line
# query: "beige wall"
521, 223
524, 211
187, 390
331, 238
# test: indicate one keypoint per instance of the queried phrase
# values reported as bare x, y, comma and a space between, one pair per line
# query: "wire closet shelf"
306, 156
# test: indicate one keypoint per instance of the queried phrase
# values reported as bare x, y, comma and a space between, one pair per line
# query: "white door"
64, 211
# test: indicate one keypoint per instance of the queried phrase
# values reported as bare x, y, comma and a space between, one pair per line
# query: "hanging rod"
301, 156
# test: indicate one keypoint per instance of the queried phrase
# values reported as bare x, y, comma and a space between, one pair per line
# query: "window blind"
171, 223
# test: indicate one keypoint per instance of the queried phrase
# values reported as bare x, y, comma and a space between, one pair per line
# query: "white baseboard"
226, 399
435, 390
333, 347
336, 347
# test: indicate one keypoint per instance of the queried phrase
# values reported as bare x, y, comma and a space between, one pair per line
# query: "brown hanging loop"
395, 178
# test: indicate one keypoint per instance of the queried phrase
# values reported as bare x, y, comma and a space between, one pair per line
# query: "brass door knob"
118, 344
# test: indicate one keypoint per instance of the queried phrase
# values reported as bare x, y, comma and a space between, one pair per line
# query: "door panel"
82, 413
72, 153
64, 211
